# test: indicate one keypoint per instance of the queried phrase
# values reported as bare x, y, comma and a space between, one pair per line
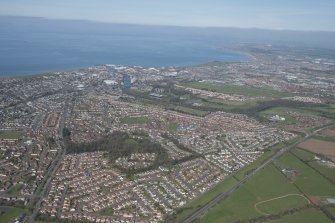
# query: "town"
208, 122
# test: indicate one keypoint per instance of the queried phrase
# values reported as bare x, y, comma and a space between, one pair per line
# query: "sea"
34, 45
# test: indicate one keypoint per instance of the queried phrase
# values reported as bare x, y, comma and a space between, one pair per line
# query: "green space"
107, 212
241, 204
307, 179
10, 215
172, 127
309, 158
266, 155
121, 144
310, 215
331, 210
10, 134
324, 108
15, 189
205, 198
325, 138
282, 113
135, 120
226, 184
190, 111
277, 205
212, 103
240, 90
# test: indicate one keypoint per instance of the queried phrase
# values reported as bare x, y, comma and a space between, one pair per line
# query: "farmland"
241, 204
310, 159
306, 179
256, 199
320, 147
240, 90
310, 215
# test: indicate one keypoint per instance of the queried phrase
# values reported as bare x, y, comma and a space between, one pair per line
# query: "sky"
315, 15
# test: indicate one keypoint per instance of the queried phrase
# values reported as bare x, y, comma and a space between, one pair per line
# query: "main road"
198, 213
55, 164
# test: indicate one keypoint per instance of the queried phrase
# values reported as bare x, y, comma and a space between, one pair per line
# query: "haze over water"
38, 45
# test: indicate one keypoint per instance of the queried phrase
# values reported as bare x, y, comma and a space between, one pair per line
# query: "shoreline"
53, 71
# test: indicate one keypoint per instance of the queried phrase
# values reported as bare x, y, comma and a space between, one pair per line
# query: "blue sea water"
32, 45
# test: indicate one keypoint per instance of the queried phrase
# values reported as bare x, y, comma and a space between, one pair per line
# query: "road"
54, 166
198, 213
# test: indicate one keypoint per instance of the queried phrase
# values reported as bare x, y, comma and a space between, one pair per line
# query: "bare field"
320, 147
329, 132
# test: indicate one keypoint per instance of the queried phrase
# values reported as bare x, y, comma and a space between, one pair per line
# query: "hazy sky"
272, 14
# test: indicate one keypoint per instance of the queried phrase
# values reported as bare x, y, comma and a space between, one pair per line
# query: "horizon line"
171, 26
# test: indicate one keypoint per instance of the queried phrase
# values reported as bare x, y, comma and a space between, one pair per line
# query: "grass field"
276, 205
308, 157
172, 127
240, 90
193, 206
241, 204
267, 154
307, 179
11, 215
310, 215
271, 192
15, 189
190, 111
281, 112
217, 104
107, 212
10, 134
325, 138
331, 210
323, 109
135, 120
221, 187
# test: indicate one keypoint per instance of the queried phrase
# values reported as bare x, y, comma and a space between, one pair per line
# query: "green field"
240, 90
308, 157
241, 204
270, 192
324, 108
107, 212
226, 184
276, 205
15, 189
325, 138
266, 155
310, 215
10, 134
307, 179
11, 215
219, 104
331, 210
135, 120
172, 127
281, 112
190, 111
205, 198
